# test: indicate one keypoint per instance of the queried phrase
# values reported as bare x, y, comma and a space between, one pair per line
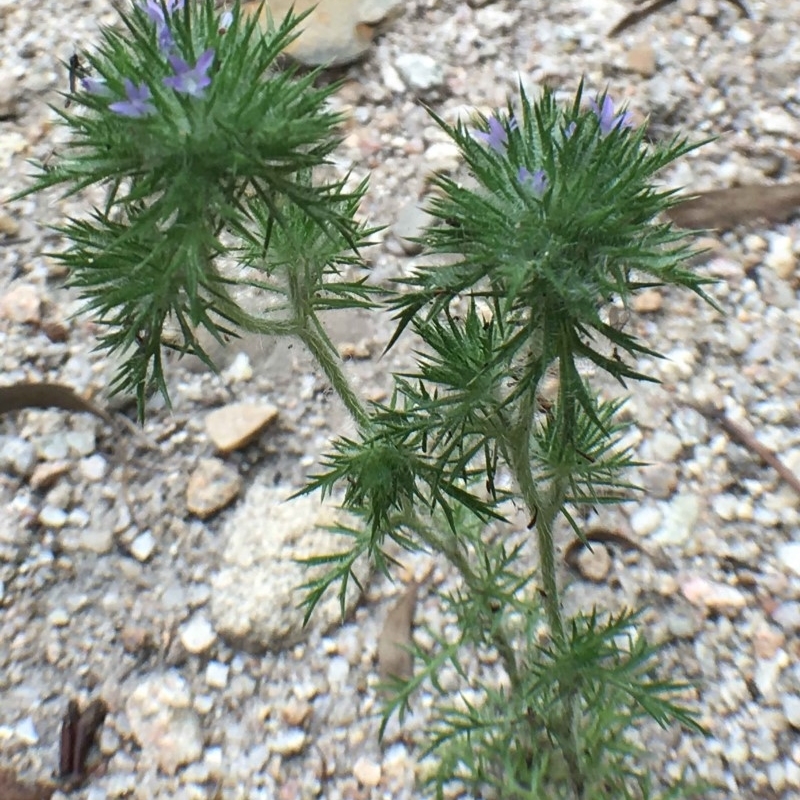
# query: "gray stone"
680, 518
163, 721
197, 635
411, 223
789, 556
419, 71
17, 455
143, 545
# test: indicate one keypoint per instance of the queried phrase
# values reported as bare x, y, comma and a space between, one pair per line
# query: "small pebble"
26, 732
142, 546
789, 556
52, 517
367, 772
645, 520
289, 742
217, 674
594, 564
419, 71
17, 454
197, 635
791, 709
93, 468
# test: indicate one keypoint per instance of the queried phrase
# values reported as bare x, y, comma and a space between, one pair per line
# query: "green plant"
221, 160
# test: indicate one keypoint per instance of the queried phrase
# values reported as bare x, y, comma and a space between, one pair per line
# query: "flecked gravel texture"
106, 579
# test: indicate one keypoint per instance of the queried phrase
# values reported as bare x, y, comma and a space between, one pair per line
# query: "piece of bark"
726, 208
89, 723
69, 729
395, 659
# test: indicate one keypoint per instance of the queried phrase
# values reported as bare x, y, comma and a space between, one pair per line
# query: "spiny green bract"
188, 154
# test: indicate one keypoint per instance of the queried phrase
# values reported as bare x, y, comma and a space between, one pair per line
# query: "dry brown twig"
641, 13
749, 441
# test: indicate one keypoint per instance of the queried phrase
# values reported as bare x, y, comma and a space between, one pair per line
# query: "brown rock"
767, 641
234, 426
212, 486
359, 351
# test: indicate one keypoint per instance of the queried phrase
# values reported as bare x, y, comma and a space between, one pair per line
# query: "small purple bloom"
154, 10
537, 181
569, 130
605, 116
190, 80
497, 136
95, 86
165, 40
160, 19
137, 104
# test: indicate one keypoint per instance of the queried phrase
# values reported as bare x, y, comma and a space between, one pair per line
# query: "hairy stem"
328, 359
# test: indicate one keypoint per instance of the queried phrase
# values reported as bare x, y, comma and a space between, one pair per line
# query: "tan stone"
367, 772
8, 226
642, 59
594, 564
296, 712
21, 303
212, 486
336, 31
648, 301
234, 426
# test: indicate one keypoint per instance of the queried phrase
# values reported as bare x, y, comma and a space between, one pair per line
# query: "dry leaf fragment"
646, 10
726, 208
47, 395
78, 731
395, 659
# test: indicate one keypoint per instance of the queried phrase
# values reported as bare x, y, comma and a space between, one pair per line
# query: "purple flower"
190, 80
137, 104
537, 181
497, 136
569, 130
154, 10
605, 116
95, 86
165, 39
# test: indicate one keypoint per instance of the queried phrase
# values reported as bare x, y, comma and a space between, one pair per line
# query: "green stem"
449, 547
543, 509
326, 356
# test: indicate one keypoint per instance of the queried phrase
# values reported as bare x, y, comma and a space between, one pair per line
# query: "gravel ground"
111, 587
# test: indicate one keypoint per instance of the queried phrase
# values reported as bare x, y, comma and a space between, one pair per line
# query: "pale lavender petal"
537, 181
